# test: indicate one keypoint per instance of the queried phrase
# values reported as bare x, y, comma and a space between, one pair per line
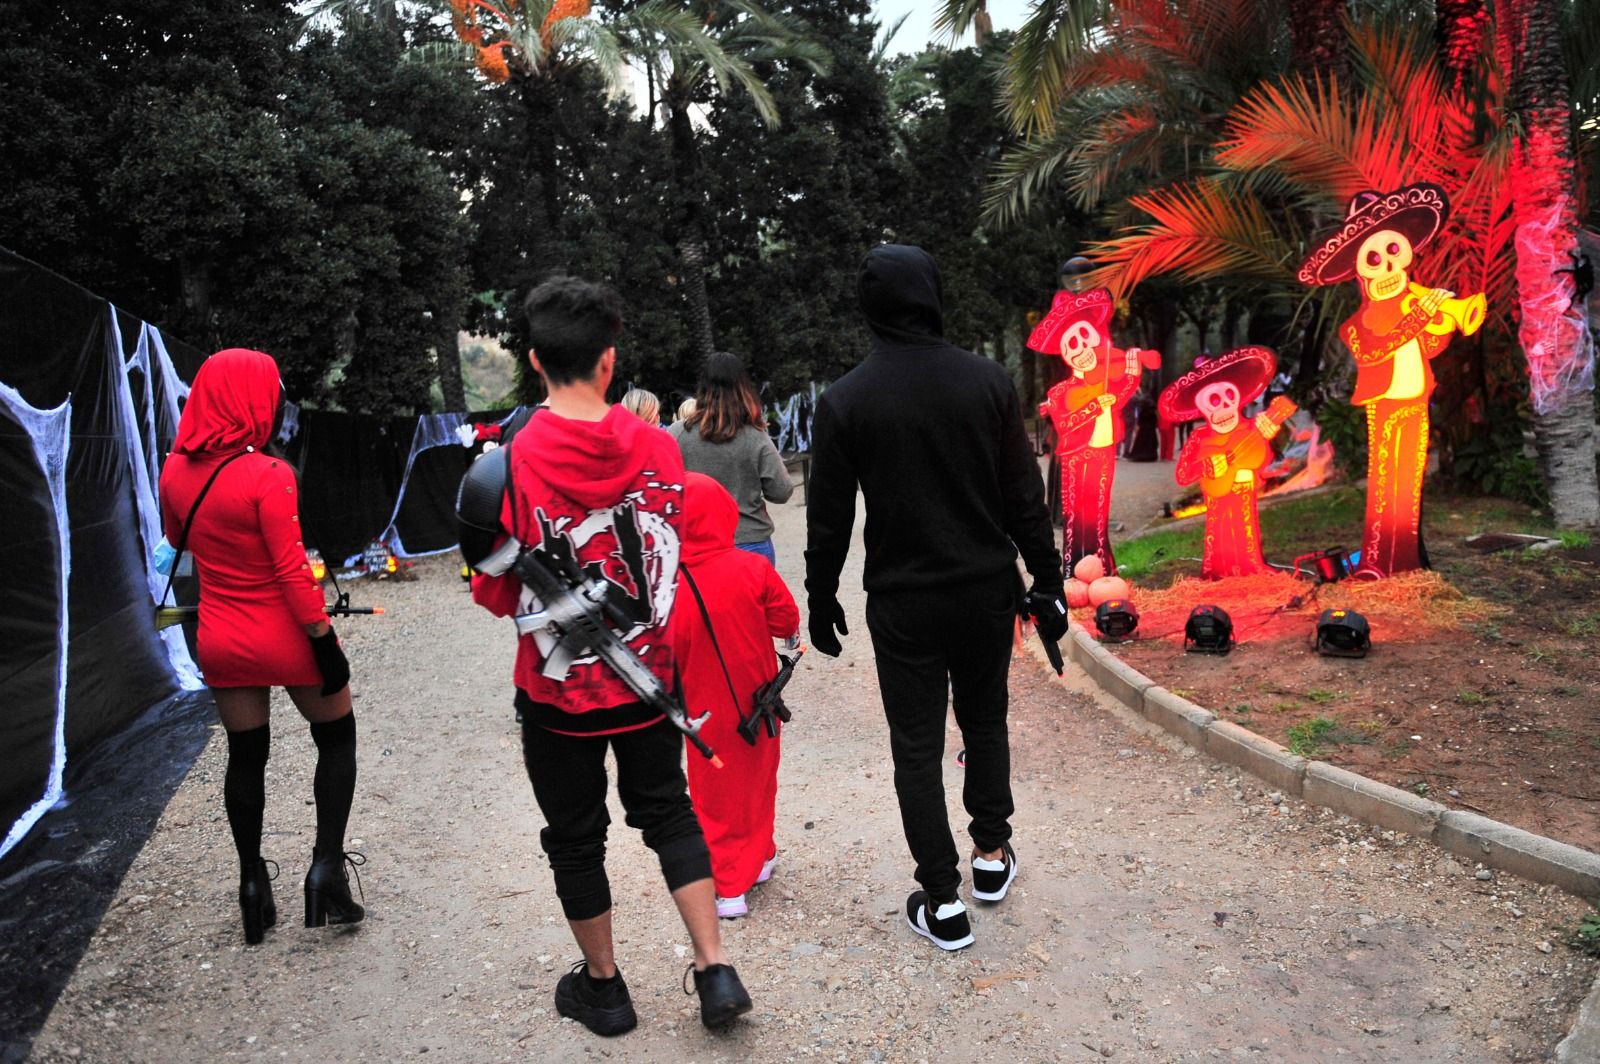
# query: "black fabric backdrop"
55, 342
351, 470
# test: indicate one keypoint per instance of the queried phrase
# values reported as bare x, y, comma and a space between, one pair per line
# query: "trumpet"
1453, 314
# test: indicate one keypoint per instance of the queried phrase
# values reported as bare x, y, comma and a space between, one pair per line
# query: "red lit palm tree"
1552, 328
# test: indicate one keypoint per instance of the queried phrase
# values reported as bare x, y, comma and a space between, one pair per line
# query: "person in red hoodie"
590, 481
263, 623
747, 605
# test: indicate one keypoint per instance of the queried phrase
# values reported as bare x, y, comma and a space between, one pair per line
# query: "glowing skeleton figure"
1399, 329
1086, 410
1226, 455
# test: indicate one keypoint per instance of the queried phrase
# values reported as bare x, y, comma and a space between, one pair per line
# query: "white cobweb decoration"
49, 432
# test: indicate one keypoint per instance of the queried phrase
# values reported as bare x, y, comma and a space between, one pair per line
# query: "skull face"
1219, 404
1078, 346
1382, 262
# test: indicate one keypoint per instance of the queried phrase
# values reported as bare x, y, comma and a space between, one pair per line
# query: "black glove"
826, 615
1049, 613
331, 662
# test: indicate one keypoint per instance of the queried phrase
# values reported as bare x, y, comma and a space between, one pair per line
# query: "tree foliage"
348, 190
211, 175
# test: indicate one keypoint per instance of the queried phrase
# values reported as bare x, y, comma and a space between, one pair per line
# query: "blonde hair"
686, 408
644, 405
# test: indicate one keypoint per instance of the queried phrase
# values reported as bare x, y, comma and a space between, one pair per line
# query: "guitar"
1278, 411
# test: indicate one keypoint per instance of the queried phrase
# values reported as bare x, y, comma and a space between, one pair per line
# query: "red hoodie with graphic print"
610, 493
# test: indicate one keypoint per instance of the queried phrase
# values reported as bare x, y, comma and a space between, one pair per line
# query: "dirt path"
1167, 909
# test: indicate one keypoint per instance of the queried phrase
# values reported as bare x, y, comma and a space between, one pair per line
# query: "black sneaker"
992, 879
603, 1006
722, 997
946, 925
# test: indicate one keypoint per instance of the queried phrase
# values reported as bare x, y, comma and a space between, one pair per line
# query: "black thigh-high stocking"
335, 784
244, 790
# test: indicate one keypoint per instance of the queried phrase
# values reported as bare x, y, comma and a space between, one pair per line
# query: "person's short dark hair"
571, 322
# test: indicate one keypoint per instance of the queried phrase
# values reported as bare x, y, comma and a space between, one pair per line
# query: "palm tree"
694, 51
1554, 333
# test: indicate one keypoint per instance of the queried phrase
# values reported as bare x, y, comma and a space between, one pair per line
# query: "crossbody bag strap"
712, 632
188, 522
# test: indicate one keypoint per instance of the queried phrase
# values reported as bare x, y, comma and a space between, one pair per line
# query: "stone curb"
1582, 1044
1465, 834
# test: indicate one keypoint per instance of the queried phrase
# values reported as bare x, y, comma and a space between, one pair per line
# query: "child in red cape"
748, 605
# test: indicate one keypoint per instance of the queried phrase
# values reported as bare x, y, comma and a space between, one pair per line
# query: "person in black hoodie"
933, 436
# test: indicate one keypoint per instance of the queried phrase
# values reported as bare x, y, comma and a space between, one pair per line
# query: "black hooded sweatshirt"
933, 436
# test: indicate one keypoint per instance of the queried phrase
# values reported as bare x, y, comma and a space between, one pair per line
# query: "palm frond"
1022, 174
449, 55
332, 12
880, 48
599, 43
752, 32
953, 18
1206, 230
1318, 137
1123, 142
1054, 33
1399, 65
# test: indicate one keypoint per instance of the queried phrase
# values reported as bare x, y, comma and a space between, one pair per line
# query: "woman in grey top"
726, 439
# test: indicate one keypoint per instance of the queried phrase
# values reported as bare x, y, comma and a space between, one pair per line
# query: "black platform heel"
255, 900
328, 899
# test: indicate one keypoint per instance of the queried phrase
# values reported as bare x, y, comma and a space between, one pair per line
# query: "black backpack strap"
712, 632
188, 522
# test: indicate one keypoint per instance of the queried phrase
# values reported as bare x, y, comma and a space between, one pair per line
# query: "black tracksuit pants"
930, 643
568, 773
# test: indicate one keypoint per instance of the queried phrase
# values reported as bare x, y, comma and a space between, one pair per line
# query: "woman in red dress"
263, 623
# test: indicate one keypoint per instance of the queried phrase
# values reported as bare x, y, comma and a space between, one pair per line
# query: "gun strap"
712, 632
188, 522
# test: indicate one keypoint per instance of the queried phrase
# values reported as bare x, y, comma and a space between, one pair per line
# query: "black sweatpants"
930, 642
568, 773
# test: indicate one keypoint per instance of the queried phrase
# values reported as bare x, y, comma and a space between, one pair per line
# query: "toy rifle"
167, 616
573, 617
770, 709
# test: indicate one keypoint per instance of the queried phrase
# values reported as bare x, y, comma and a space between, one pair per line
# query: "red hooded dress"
256, 590
749, 605
609, 492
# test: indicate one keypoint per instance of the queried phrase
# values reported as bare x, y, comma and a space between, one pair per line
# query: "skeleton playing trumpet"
1400, 327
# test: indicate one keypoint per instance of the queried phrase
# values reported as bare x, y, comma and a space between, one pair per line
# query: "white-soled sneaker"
732, 908
766, 869
946, 926
991, 880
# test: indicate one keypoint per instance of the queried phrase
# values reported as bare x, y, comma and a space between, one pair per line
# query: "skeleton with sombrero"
1086, 410
1399, 329
1226, 455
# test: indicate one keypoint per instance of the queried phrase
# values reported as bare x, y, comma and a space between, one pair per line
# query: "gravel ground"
1167, 908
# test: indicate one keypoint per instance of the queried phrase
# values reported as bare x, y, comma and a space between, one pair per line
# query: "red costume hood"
232, 405
593, 463
710, 517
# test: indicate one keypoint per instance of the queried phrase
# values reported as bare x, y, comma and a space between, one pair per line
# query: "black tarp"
352, 472
426, 518
361, 476
56, 343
